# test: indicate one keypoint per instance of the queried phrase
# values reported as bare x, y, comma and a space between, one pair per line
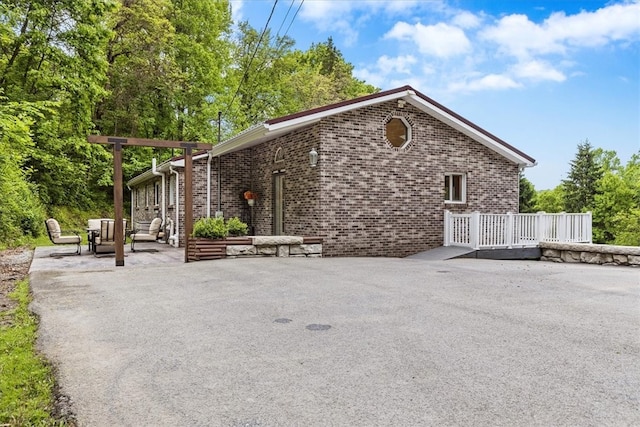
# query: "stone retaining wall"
257, 246
280, 246
590, 253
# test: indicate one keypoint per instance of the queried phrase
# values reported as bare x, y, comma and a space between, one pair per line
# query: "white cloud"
386, 66
399, 64
440, 40
488, 82
518, 36
466, 19
236, 10
347, 18
538, 70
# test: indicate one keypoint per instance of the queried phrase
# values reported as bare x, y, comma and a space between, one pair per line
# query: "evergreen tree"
527, 202
581, 185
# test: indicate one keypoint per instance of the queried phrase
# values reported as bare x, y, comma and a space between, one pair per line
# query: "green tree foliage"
550, 200
166, 61
21, 213
53, 50
616, 215
527, 195
277, 80
581, 185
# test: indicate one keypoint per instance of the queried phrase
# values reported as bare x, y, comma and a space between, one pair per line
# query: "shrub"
210, 228
237, 227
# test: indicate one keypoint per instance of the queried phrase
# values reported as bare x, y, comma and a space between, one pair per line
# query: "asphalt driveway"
345, 342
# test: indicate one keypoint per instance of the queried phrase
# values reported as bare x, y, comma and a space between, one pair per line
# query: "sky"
543, 75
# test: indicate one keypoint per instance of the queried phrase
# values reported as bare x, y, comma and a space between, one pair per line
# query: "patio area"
162, 254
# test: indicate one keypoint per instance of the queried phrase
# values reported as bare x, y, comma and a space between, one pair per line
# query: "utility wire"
266, 27
294, 18
270, 57
285, 18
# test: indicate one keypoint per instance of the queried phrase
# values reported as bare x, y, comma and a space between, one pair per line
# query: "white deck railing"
477, 231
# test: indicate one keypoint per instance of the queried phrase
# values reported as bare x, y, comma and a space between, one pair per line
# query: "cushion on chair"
154, 227
143, 237
54, 228
66, 239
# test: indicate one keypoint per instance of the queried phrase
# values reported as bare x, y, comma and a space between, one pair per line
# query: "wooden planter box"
204, 249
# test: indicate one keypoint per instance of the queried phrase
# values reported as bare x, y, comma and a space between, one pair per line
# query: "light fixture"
313, 157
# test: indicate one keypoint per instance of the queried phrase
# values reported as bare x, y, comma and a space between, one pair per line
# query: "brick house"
388, 165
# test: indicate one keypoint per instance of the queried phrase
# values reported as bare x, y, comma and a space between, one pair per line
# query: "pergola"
118, 143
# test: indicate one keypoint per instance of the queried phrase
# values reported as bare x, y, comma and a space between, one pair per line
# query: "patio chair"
150, 235
57, 237
105, 241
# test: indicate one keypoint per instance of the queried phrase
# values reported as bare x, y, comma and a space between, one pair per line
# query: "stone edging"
590, 253
256, 246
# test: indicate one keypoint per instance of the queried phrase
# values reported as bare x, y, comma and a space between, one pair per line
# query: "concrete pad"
161, 254
345, 342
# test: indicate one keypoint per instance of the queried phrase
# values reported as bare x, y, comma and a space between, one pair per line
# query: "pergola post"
117, 143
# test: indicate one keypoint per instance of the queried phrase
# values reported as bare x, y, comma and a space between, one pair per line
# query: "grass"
26, 380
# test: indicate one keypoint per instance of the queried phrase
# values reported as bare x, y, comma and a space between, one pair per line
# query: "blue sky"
542, 75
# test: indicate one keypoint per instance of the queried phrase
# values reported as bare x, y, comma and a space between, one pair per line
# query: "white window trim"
463, 190
409, 132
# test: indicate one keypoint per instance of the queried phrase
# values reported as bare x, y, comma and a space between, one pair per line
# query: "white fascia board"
180, 163
240, 141
469, 131
139, 179
163, 167
312, 118
260, 133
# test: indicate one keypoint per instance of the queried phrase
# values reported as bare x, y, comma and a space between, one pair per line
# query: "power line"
285, 18
294, 18
246, 71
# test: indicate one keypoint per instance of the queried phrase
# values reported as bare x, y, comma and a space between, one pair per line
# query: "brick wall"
381, 201
365, 198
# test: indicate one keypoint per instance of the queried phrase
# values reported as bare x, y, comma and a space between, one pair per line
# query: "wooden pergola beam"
118, 143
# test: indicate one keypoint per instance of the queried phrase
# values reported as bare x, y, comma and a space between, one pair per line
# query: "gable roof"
282, 125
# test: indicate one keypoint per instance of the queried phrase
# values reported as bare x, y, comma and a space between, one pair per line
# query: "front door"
278, 204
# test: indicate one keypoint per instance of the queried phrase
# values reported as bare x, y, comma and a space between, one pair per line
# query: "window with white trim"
455, 188
398, 132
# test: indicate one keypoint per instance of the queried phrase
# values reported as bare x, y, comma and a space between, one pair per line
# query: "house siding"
365, 198
380, 201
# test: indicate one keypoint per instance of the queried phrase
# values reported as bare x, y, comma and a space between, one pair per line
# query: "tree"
167, 61
527, 195
54, 50
581, 185
616, 215
274, 80
550, 200
21, 212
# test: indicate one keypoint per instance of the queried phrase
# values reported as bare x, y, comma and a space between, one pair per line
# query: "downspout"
209, 185
164, 200
132, 207
176, 236
219, 211
219, 186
